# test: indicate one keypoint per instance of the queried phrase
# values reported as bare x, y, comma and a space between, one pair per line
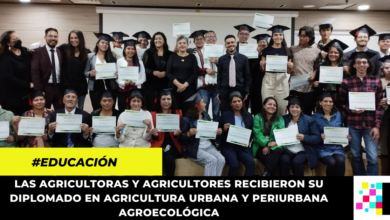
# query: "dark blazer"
115, 113
191, 144
309, 128
149, 60
61, 139
228, 117
41, 67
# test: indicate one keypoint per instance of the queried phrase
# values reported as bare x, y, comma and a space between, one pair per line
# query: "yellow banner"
80, 161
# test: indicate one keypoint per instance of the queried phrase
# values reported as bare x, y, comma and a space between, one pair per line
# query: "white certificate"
134, 119
249, 50
4, 130
388, 94
263, 21
207, 129
362, 100
167, 122
276, 64
68, 123
140, 52
335, 135
128, 73
35, 45
238, 135
31, 126
298, 81
181, 29
104, 124
330, 74
105, 71
118, 52
213, 50
287, 136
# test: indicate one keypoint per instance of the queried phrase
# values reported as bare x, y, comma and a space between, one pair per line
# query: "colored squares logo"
371, 198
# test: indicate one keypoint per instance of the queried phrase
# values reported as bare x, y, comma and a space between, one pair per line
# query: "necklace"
182, 60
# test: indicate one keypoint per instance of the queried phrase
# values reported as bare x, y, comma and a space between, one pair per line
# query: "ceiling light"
309, 6
363, 7
25, 0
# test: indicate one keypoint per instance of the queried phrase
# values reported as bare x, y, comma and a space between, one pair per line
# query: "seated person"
10, 141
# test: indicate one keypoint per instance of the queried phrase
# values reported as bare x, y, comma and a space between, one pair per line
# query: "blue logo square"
378, 198
366, 209
372, 186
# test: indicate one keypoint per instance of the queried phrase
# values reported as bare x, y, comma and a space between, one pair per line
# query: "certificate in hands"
331, 74
276, 64
167, 122
213, 50
134, 119
181, 29
263, 21
69, 123
104, 124
128, 73
287, 136
362, 100
249, 50
105, 71
335, 135
388, 94
299, 81
4, 130
31, 126
207, 129
238, 135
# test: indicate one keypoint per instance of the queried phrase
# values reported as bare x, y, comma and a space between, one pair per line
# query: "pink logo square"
359, 205
372, 192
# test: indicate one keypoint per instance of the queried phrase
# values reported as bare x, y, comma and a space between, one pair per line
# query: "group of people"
184, 82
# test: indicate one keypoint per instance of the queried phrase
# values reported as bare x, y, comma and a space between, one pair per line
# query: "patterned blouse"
33, 141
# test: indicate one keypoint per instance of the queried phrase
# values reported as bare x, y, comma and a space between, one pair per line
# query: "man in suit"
46, 70
81, 139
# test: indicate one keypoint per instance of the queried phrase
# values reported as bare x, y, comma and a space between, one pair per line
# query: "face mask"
18, 44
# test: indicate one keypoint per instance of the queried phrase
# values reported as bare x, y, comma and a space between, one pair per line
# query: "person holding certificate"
309, 137
102, 55
8, 137
68, 118
127, 80
200, 150
264, 145
135, 137
233, 153
275, 82
332, 155
168, 141
38, 111
107, 112
155, 60
365, 91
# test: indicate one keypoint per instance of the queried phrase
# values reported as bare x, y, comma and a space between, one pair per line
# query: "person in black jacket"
81, 139
200, 150
15, 78
155, 60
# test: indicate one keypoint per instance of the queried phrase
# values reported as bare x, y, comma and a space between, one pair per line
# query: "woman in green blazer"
264, 146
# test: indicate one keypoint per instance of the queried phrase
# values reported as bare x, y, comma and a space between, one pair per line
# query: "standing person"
15, 77
143, 38
46, 66
210, 37
257, 74
102, 54
75, 56
233, 74
11, 140
155, 60
361, 123
129, 58
325, 29
384, 44
182, 71
304, 59
275, 84
362, 35
207, 79
117, 43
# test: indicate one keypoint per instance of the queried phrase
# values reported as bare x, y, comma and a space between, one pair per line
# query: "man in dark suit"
81, 139
46, 70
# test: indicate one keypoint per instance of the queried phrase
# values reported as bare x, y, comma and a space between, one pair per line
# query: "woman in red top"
169, 141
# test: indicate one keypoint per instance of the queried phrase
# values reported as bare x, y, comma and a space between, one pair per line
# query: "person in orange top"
169, 141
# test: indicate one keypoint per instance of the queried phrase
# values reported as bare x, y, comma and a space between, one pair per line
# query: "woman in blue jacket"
233, 153
297, 155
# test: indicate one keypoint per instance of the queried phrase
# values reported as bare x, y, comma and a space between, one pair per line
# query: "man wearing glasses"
46, 70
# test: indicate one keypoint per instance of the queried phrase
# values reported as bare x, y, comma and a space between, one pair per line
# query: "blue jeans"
80, 104
206, 96
371, 152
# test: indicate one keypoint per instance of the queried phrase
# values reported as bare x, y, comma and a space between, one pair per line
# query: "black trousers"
335, 165
255, 98
169, 161
19, 109
54, 96
271, 160
122, 98
96, 97
296, 161
151, 94
180, 98
308, 101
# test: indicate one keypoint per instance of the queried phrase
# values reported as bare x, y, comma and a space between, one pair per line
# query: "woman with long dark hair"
233, 153
130, 58
102, 54
75, 56
275, 84
15, 78
264, 146
155, 60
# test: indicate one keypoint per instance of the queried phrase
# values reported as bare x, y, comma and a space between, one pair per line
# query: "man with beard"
81, 139
233, 74
384, 44
362, 36
46, 66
